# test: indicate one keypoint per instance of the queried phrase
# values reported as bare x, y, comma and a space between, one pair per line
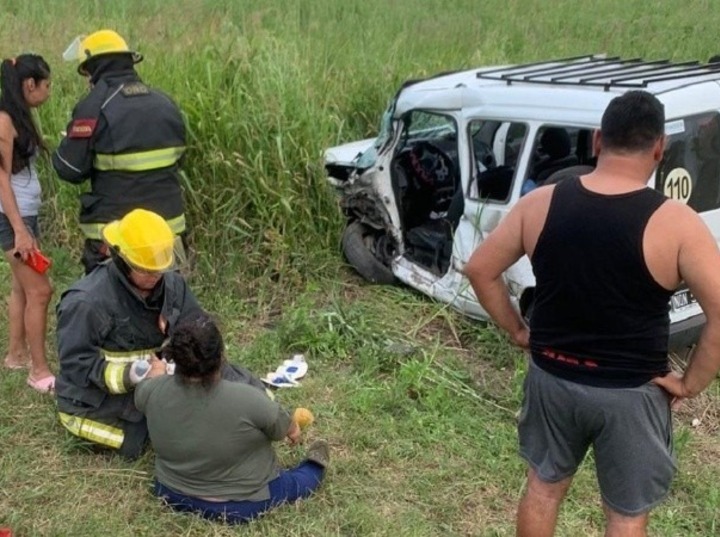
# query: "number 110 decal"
678, 185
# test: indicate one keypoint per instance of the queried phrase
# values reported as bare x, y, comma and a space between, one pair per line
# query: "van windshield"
369, 156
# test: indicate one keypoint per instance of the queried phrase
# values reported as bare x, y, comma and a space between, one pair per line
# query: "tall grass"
267, 86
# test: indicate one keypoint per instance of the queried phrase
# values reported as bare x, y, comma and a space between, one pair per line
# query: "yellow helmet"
99, 43
143, 239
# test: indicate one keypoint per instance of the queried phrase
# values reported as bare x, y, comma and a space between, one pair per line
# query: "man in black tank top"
607, 252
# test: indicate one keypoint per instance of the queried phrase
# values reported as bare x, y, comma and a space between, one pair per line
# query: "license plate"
682, 299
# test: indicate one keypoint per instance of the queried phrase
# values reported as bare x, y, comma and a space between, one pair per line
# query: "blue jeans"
290, 485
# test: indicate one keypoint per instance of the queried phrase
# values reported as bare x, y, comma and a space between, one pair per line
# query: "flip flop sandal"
295, 368
279, 380
43, 385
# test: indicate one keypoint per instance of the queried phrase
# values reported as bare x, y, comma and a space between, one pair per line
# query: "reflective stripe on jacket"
139, 161
95, 431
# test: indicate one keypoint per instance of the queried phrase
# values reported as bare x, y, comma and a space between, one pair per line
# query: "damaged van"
456, 151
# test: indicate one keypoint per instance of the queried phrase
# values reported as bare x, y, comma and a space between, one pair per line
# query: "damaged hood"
347, 153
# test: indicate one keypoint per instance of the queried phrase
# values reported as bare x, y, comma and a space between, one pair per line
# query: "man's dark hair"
632, 122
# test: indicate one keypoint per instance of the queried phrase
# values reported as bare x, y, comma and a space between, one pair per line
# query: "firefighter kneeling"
111, 324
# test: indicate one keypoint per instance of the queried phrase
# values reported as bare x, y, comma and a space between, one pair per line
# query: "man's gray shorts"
630, 430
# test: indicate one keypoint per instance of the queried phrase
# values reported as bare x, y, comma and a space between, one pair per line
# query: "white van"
456, 151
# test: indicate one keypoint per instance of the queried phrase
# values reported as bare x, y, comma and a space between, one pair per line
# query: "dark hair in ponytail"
13, 72
196, 346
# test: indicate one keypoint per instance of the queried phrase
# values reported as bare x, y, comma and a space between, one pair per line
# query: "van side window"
495, 152
559, 151
690, 168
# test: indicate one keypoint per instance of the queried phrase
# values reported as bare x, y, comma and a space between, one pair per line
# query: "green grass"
417, 403
422, 434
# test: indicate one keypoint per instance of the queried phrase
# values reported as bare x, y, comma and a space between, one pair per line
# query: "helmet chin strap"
126, 272
120, 263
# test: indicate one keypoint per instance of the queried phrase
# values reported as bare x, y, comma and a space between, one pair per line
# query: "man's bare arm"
699, 266
484, 270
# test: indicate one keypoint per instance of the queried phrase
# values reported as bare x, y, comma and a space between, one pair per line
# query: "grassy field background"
417, 403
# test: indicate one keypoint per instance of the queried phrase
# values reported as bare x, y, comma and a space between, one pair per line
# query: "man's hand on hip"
674, 385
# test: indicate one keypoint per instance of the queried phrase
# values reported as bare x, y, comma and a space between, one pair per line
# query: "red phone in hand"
37, 261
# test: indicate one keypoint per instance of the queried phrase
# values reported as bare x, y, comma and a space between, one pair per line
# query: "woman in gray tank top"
24, 85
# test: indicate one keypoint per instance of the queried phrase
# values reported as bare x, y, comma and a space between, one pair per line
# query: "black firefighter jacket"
103, 325
128, 140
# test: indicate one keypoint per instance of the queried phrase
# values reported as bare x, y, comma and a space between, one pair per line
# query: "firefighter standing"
124, 136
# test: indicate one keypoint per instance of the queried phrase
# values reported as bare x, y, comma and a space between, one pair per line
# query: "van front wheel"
365, 249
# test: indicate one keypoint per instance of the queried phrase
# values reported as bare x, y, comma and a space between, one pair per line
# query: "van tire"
357, 246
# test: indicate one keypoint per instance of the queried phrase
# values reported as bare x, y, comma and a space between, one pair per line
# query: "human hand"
293, 434
162, 324
138, 371
673, 384
158, 368
521, 338
25, 244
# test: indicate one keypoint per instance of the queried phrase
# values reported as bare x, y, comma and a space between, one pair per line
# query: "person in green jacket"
213, 438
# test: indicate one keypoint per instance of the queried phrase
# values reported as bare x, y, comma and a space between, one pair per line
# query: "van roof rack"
601, 71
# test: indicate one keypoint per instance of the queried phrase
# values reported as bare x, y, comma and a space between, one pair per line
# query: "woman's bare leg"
17, 355
37, 292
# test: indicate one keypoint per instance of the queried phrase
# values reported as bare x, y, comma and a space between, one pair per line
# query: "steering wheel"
431, 166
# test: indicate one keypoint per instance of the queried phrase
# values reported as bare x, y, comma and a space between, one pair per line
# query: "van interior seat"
495, 183
572, 171
555, 143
